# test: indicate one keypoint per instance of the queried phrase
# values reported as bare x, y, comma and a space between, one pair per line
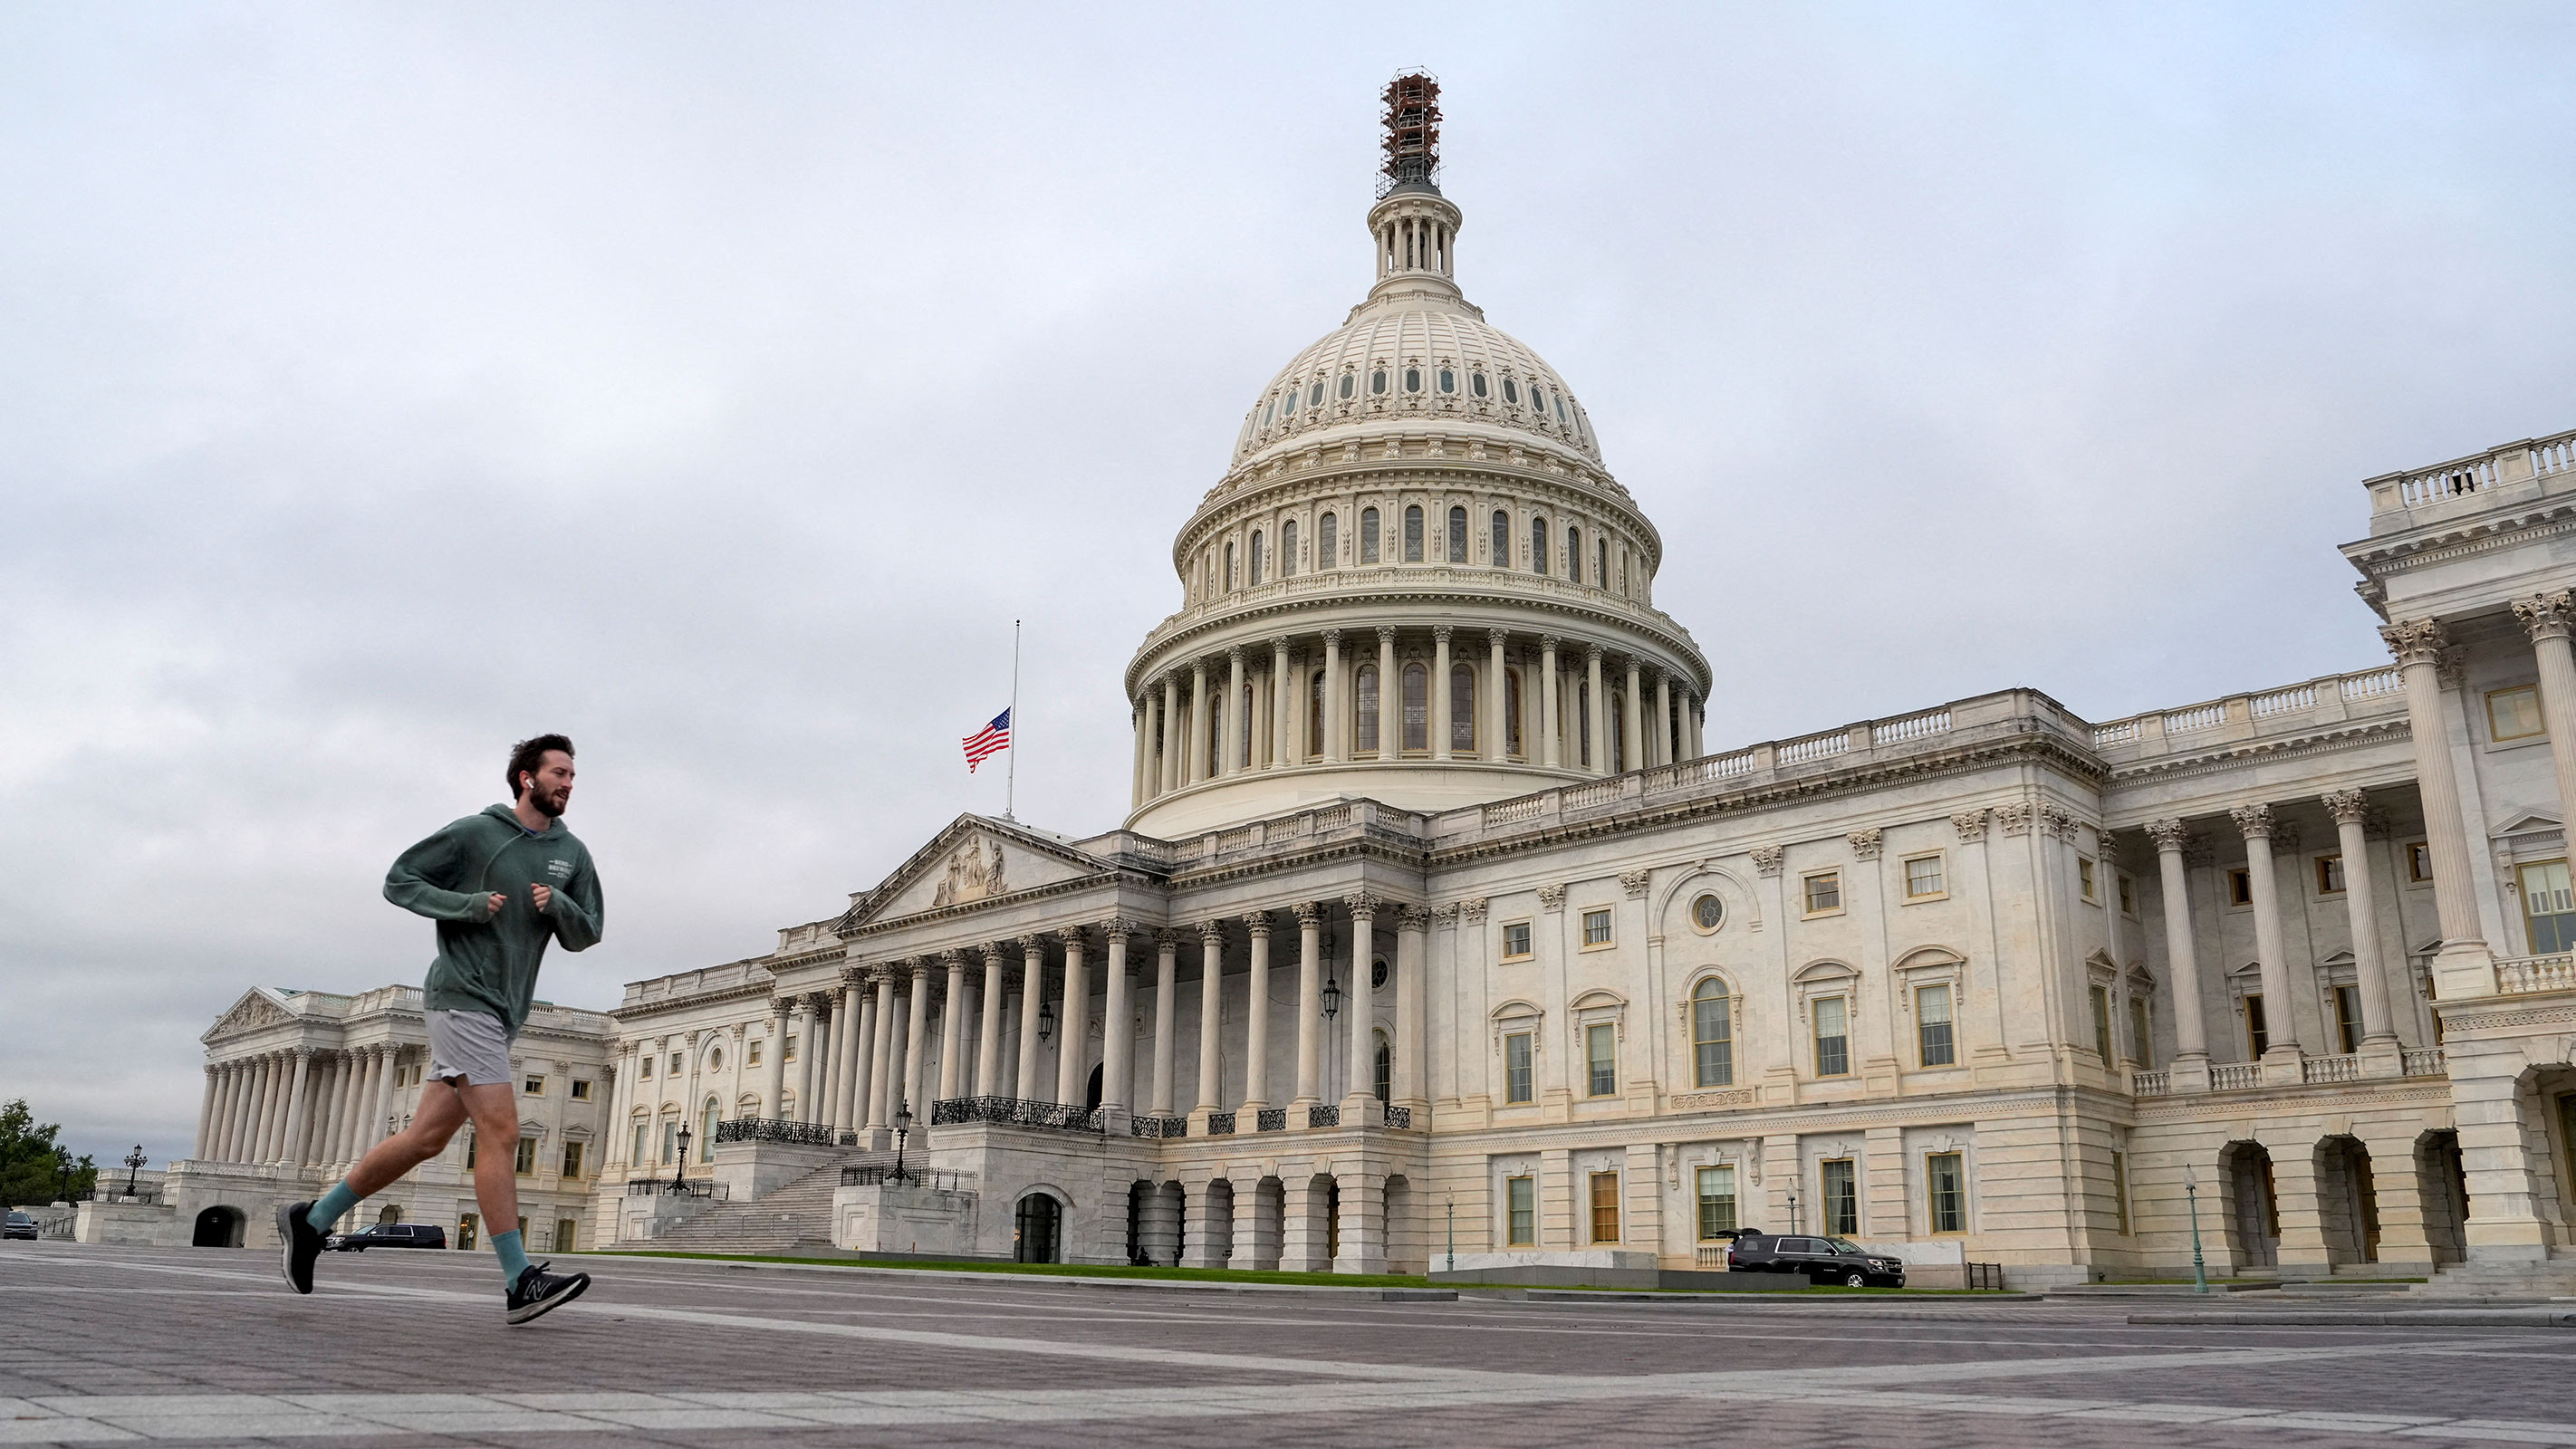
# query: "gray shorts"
472, 1045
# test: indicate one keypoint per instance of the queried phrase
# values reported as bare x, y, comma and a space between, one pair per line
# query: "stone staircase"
2502, 1282
797, 1216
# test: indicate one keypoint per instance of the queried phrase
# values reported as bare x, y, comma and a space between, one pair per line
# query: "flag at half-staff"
989, 741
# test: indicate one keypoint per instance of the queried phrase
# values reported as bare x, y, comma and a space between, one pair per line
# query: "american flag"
989, 741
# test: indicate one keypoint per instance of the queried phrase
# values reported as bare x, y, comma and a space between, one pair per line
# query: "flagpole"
1011, 778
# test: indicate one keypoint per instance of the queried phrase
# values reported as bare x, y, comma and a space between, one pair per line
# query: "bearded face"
549, 786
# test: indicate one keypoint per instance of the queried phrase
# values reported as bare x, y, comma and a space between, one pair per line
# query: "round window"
1377, 974
715, 1060
1707, 912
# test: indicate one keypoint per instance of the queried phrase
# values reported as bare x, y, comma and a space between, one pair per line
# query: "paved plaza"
203, 1346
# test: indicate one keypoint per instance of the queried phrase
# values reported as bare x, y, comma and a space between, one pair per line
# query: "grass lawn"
1075, 1270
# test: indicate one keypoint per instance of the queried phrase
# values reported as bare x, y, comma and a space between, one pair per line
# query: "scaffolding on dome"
1412, 141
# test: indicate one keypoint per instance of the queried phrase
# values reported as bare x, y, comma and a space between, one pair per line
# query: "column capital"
1072, 937
2415, 641
2547, 616
1971, 825
1413, 918
1032, 944
954, 958
1549, 642
1551, 897
1168, 938
1257, 924
1766, 859
1592, 653
2348, 807
1497, 638
1309, 914
782, 1005
1119, 928
1363, 903
1332, 638
1472, 909
1278, 643
1212, 933
2169, 835
854, 975
1635, 883
1386, 636
2254, 822
1234, 656
1865, 844
1441, 632
920, 970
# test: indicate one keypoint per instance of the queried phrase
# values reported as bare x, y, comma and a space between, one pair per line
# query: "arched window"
1216, 732
1250, 719
1328, 542
1413, 533
1368, 535
1377, 381
1229, 565
1583, 721
1538, 545
1315, 716
1288, 547
1413, 379
1502, 540
1257, 559
1712, 1035
1618, 727
1384, 1076
1417, 707
1457, 535
1366, 706
1448, 380
707, 1117
1476, 383
643, 1127
1512, 711
1348, 384
1573, 554
1601, 563
1511, 391
1462, 707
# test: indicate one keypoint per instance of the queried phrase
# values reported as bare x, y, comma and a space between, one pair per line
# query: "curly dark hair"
528, 754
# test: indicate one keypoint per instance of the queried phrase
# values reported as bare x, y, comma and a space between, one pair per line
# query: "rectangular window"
1605, 1207
1833, 1040
1516, 941
1516, 1068
644, 1070
469, 1152
526, 1166
1945, 1183
2120, 1191
2141, 1040
533, 1086
675, 1065
1841, 1182
787, 1056
670, 1141
2347, 1002
1520, 1197
1932, 1026
2102, 1024
2240, 888
1601, 1059
2257, 1038
580, 1090
1712, 1038
2329, 875
1596, 928
2514, 714
2128, 894
564, 1228
751, 1054
2419, 862
1716, 1201
469, 1228
1824, 892
635, 1153
2085, 884
572, 1155
1923, 877
2548, 909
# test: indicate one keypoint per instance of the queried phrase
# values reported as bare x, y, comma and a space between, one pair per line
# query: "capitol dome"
1416, 582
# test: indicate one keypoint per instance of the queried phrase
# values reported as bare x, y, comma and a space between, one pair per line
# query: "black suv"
388, 1235
1825, 1261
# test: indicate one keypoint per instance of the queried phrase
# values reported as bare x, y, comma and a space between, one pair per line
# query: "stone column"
2280, 1015
1208, 1220
1494, 733
863, 1045
1136, 763
263, 1111
809, 1052
1075, 1023
1256, 1029
227, 1092
1436, 733
1310, 1008
1691, 712
1412, 937
1167, 958
353, 1100
988, 1039
1390, 699
1118, 1026
1359, 1095
290, 1146
1195, 768
1632, 734
916, 1032
1169, 764
2463, 967
776, 1090
1252, 1250
205, 1114
847, 1051
1333, 708
1362, 1248
2548, 619
881, 1082
2381, 1053
1211, 1019
835, 1032
1661, 751
381, 1115
2191, 1032
1027, 1086
1237, 718
1284, 706
1596, 712
952, 1021
330, 1110
1550, 734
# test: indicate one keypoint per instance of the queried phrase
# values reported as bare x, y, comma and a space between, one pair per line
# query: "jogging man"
500, 885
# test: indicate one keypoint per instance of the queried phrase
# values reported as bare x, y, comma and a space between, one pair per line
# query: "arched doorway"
2347, 1201
1035, 1230
2253, 1209
2443, 1182
1091, 1093
391, 1214
218, 1227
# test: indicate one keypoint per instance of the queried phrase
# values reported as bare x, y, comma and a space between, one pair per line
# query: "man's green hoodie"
487, 961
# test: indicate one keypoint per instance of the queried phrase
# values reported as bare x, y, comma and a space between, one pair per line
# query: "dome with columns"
1416, 582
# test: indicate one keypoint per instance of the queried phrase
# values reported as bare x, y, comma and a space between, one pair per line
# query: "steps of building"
796, 1214
2552, 1277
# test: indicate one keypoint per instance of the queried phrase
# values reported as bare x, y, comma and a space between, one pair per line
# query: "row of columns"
1296, 1222
1269, 732
298, 1107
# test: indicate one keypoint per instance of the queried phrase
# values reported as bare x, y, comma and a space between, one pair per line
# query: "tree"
33, 1167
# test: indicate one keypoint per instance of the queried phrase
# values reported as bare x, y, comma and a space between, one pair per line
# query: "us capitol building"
1434, 914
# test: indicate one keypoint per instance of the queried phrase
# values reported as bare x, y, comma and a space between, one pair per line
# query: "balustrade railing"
2518, 975
774, 1129
1012, 1111
2198, 717
1912, 727
1322, 1116
1814, 747
2235, 1076
705, 1187
1400, 1118
1158, 1126
877, 1174
146, 1193
1270, 1119
2330, 1069
1220, 1124
2149, 1084
2424, 1062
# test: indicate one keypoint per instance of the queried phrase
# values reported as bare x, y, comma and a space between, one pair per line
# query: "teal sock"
514, 1258
333, 1206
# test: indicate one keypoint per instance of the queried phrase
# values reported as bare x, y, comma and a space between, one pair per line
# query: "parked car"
1825, 1261
19, 1226
388, 1235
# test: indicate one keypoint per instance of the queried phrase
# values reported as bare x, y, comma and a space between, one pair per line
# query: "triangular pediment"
2530, 822
975, 859
257, 1008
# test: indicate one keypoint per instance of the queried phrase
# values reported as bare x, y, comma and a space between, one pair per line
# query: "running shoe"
300, 1242
538, 1291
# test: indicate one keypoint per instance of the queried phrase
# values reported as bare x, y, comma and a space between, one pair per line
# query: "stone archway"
2443, 1183
1037, 1231
1402, 1232
2253, 1207
392, 1213
219, 1227
2347, 1202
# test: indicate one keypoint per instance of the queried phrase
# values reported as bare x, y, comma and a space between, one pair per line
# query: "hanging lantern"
1332, 997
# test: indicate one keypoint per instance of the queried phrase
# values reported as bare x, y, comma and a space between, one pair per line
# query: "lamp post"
1793, 1210
902, 1133
2191, 1195
1453, 1232
133, 1165
680, 1169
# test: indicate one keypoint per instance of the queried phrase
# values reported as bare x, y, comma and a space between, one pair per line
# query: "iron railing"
1985, 1276
1400, 1118
873, 1174
1220, 1124
1158, 1126
773, 1129
705, 1187
1051, 1116
1271, 1119
1323, 1116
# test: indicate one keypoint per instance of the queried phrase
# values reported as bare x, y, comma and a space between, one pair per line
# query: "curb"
1378, 1294
1841, 1304
2444, 1317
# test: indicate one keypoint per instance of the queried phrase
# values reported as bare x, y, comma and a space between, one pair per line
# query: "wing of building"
1434, 927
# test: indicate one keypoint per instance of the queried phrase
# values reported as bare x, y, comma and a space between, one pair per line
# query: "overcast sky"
380, 384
